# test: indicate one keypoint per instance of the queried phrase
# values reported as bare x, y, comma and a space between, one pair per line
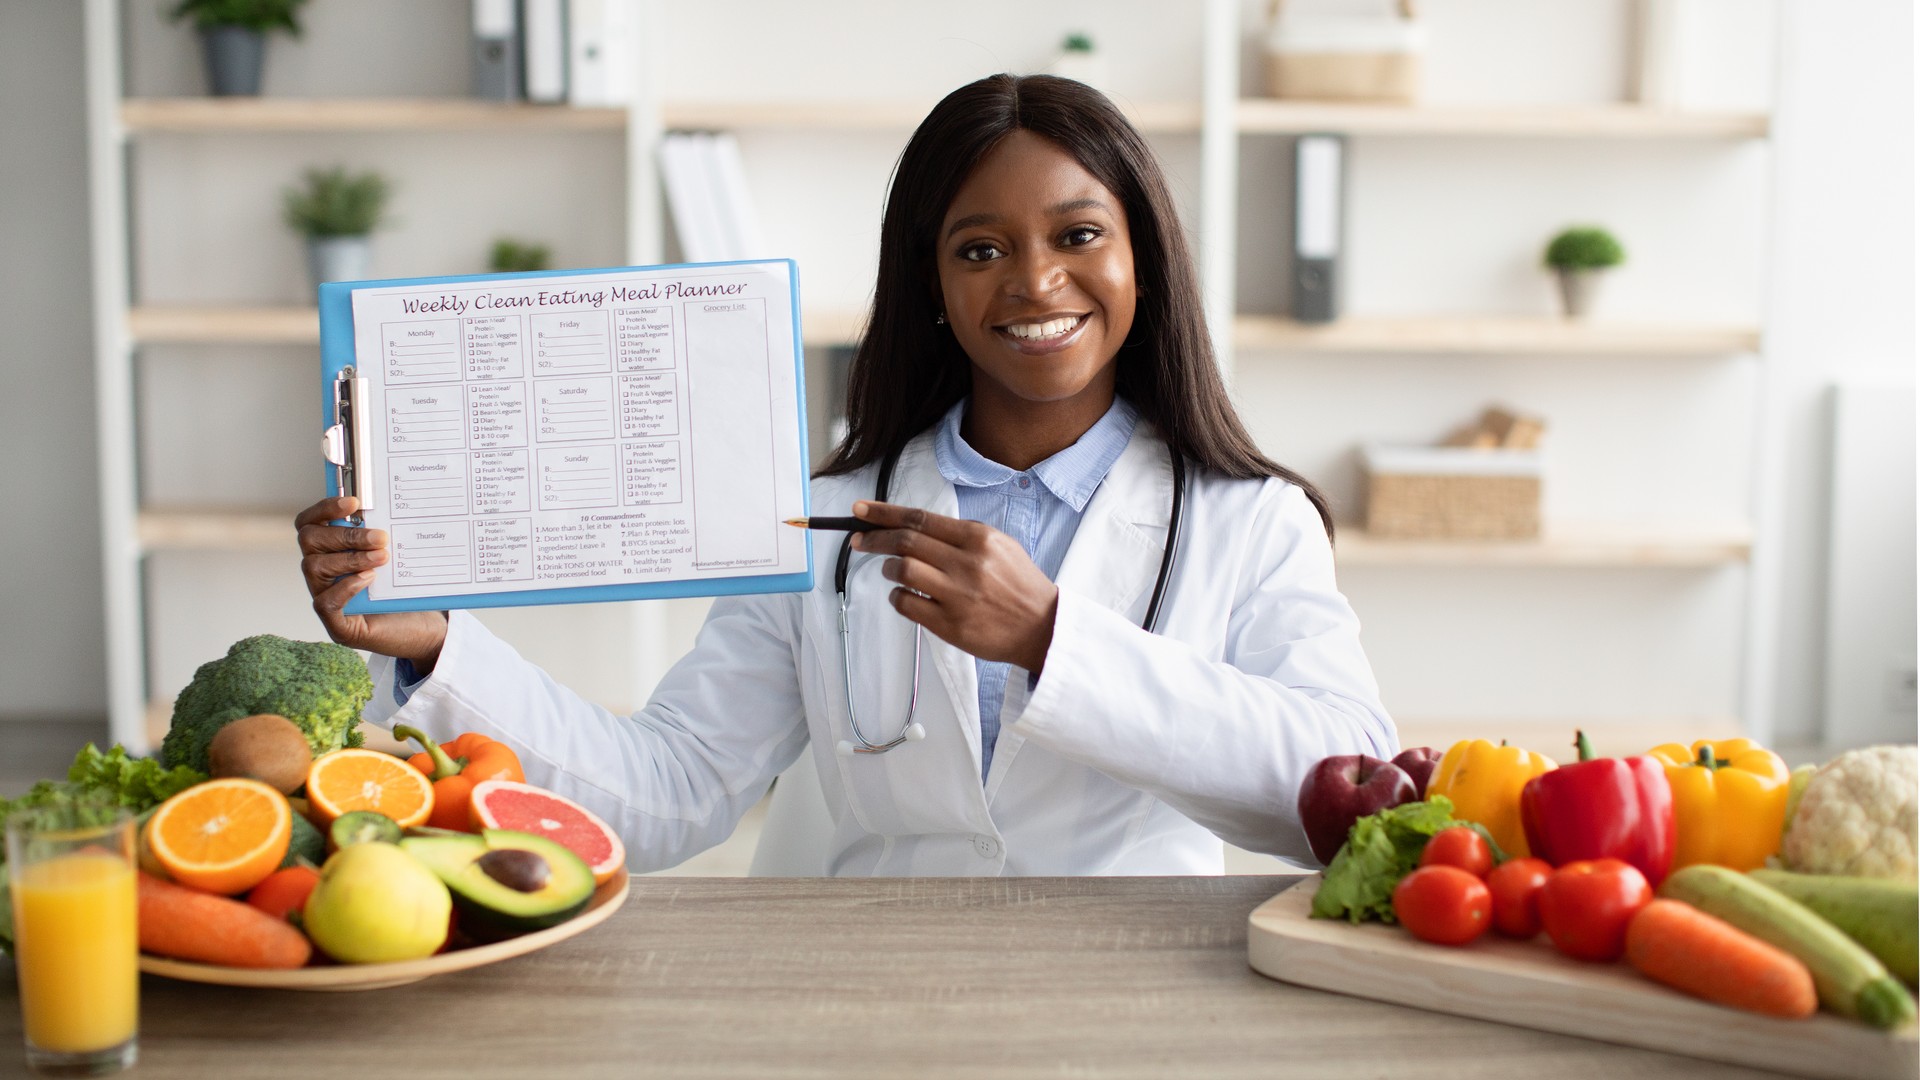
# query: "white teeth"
1050, 328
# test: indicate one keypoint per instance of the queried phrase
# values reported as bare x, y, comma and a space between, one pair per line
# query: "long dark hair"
907, 372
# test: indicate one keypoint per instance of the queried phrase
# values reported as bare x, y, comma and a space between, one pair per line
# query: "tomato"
1586, 905
1516, 885
1459, 846
1443, 904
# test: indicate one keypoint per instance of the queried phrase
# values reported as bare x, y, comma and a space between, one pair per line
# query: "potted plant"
511, 256
337, 211
1079, 61
233, 38
1577, 256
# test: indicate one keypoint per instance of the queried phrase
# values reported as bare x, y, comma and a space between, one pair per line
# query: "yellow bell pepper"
1729, 801
1483, 781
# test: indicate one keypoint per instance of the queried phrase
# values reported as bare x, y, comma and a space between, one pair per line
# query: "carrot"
188, 924
1692, 951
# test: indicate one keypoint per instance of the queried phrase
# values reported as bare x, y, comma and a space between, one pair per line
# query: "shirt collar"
1072, 475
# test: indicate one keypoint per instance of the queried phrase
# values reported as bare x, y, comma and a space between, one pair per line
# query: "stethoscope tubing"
912, 730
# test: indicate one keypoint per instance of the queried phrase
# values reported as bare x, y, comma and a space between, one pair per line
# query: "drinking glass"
75, 937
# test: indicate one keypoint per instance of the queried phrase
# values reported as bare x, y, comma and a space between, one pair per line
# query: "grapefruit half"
509, 804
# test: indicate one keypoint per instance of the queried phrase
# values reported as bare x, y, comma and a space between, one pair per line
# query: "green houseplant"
233, 38
512, 256
337, 212
1578, 256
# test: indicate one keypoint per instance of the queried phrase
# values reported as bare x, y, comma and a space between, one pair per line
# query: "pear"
376, 903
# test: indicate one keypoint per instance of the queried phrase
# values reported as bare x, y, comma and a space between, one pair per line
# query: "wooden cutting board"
1529, 984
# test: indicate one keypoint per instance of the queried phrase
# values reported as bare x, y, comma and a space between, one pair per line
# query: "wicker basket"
1436, 493
1345, 58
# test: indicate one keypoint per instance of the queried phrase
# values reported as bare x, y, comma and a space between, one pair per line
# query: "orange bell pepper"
455, 768
1729, 801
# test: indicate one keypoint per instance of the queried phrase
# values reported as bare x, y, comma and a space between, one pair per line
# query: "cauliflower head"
318, 685
1857, 816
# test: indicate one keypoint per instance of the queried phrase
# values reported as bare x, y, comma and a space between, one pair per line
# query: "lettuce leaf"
1381, 849
98, 786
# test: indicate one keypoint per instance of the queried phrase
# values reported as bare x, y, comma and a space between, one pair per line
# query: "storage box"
1451, 493
1326, 57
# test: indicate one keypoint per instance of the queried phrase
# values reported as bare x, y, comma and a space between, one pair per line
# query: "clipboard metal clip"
347, 445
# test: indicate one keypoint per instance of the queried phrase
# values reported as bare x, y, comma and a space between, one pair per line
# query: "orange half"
224, 836
348, 780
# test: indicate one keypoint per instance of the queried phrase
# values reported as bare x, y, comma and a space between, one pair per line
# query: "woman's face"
1036, 275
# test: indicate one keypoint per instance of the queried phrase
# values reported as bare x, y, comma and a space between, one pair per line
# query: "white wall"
1809, 232
51, 636
1840, 295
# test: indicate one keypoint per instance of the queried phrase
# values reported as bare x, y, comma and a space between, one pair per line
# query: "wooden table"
761, 978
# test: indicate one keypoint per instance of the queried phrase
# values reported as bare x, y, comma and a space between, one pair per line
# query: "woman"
1035, 364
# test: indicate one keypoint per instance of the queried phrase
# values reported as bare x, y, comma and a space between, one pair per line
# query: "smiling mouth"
1044, 330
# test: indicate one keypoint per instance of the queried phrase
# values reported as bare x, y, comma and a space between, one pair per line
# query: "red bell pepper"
1605, 808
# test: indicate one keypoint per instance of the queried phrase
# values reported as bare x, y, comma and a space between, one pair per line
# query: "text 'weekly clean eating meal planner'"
520, 434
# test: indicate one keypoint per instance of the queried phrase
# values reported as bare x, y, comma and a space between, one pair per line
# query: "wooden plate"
1528, 984
606, 900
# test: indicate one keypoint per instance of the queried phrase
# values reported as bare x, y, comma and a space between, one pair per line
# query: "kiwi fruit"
265, 747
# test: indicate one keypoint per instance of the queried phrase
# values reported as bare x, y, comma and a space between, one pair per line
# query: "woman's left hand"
971, 584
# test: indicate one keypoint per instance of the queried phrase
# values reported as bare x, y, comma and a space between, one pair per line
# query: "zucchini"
1881, 914
1848, 978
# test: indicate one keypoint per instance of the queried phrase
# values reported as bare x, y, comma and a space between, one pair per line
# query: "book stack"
556, 52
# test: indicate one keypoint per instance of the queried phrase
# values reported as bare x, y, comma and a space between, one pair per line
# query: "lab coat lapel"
1113, 560
1115, 554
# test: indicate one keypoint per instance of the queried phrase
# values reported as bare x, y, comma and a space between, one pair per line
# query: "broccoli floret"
318, 685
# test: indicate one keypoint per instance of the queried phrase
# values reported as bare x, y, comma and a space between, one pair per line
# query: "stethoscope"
911, 730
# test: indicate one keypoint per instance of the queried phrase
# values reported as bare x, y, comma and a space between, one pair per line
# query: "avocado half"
506, 883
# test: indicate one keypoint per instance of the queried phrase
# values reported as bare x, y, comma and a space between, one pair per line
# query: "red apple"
1343, 789
1419, 763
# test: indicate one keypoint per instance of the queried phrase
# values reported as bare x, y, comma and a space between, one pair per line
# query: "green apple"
376, 903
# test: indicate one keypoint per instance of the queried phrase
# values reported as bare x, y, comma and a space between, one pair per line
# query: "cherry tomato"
1516, 885
1459, 846
1443, 904
1586, 905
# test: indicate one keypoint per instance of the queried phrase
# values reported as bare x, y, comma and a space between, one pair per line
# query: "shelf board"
1562, 546
223, 529
902, 116
214, 325
270, 114
301, 326
1492, 336
1271, 117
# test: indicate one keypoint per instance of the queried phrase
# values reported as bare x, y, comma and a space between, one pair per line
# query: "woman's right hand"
337, 562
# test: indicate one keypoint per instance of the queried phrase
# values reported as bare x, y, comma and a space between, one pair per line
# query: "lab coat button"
987, 846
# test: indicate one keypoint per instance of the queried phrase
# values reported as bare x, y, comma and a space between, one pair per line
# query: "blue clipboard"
338, 350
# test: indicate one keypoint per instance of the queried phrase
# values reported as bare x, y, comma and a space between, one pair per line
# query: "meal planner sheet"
605, 428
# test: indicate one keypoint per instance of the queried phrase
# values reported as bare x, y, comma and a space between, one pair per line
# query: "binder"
602, 54
543, 35
1319, 211
574, 436
496, 50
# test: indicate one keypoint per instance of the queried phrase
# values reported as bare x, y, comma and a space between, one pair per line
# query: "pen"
843, 524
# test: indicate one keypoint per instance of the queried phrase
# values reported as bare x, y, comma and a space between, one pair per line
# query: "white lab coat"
1136, 753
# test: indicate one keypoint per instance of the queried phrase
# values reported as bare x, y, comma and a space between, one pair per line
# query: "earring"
940, 319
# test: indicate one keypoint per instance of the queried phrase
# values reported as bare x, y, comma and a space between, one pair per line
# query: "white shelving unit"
1221, 119
132, 530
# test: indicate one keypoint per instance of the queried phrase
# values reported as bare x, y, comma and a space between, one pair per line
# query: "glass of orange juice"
76, 937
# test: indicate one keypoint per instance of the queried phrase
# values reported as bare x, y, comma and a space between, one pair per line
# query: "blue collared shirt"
1041, 508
